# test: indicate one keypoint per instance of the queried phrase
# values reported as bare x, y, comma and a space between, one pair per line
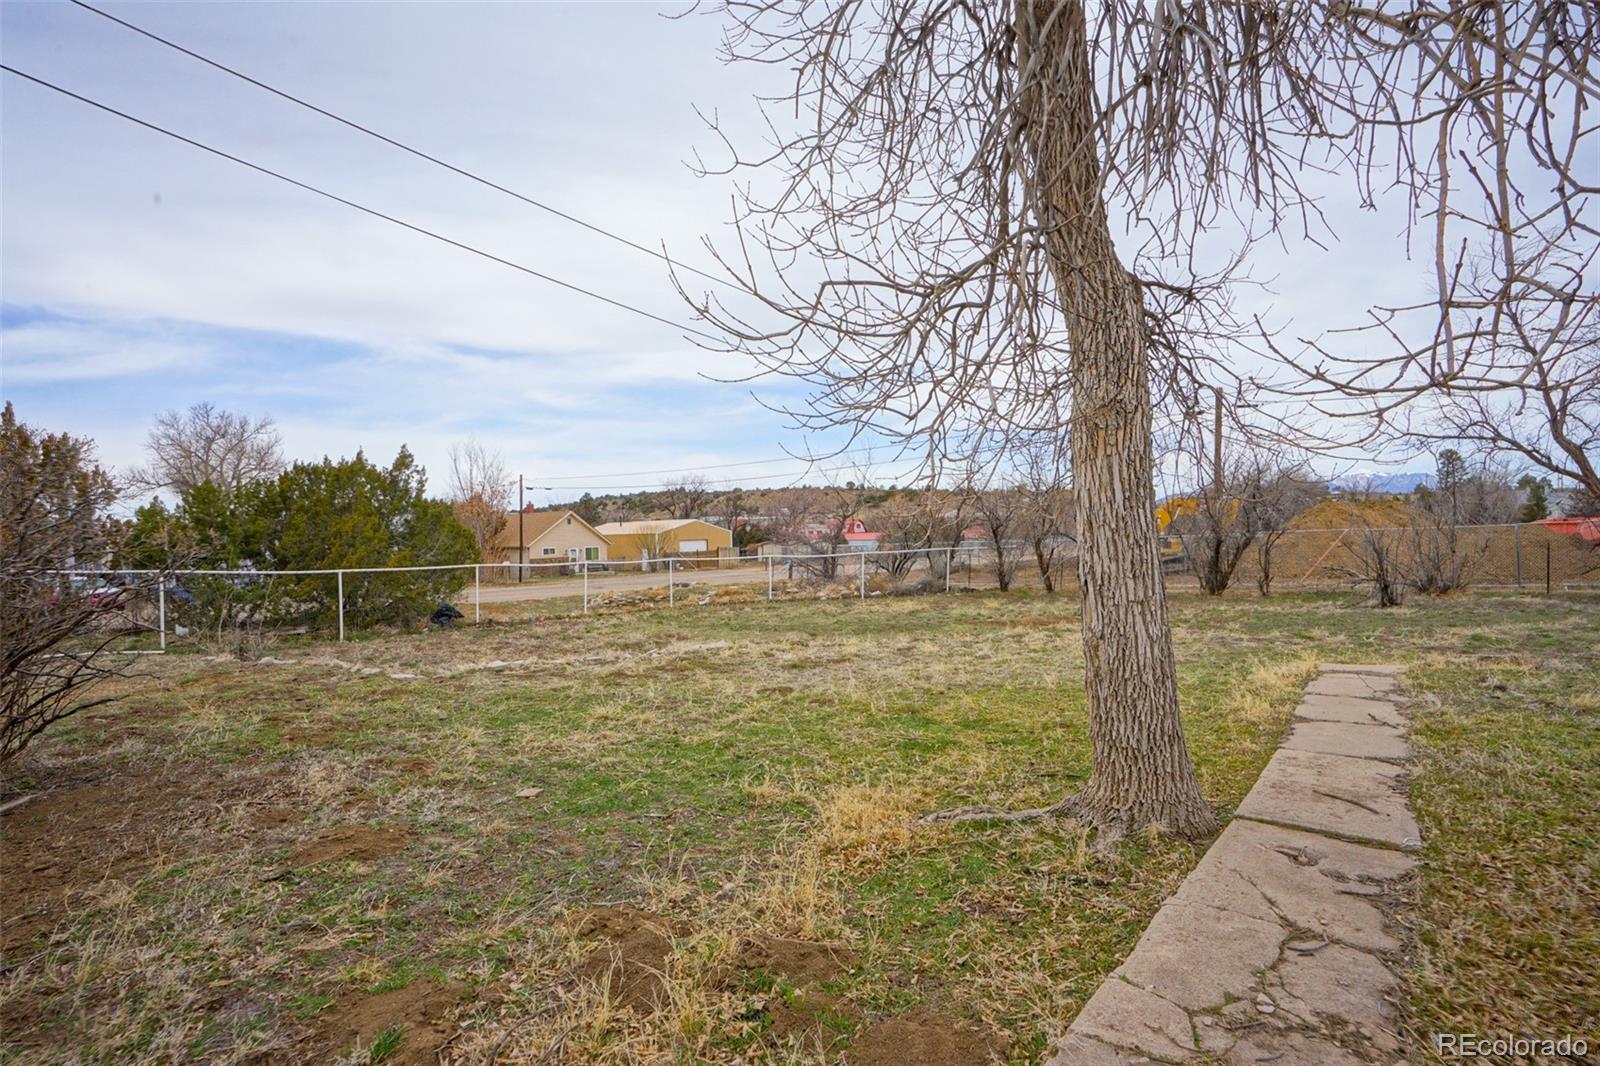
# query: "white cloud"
383, 335
48, 352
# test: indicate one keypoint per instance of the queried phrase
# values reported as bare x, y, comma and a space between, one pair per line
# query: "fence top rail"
111, 571
558, 564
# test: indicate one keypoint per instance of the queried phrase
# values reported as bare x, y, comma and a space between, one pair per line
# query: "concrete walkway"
1276, 949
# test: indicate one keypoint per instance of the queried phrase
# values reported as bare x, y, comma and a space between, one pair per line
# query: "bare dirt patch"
926, 1038
356, 842
77, 835
800, 961
422, 1011
631, 962
806, 1016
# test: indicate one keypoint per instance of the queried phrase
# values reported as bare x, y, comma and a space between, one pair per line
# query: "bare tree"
687, 497
1291, 492
205, 443
903, 528
1584, 502
950, 183
813, 521
1548, 417
999, 512
1249, 503
1044, 486
730, 508
55, 633
1490, 120
480, 491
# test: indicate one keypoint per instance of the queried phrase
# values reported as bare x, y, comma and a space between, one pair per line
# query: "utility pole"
1216, 444
521, 547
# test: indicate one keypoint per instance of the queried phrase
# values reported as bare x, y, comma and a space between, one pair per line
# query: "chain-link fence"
242, 611
1527, 556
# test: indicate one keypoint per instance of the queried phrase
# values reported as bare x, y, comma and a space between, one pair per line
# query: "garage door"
692, 546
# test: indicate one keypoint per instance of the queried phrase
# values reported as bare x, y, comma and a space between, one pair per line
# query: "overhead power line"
419, 153
591, 479
374, 212
711, 483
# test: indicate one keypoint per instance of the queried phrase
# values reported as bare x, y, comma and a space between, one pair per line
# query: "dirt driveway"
556, 588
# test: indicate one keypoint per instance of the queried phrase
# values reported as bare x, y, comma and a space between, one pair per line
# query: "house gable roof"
651, 526
535, 524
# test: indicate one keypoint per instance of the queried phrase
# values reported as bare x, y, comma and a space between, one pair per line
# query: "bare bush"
1377, 566
56, 632
1443, 557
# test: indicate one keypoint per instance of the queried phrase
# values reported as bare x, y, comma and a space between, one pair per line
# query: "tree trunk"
1142, 774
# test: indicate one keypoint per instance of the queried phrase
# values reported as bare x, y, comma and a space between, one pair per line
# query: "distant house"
558, 536
652, 539
854, 534
858, 537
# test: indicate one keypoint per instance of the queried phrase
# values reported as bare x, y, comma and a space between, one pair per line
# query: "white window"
549, 551
591, 554
692, 546
572, 554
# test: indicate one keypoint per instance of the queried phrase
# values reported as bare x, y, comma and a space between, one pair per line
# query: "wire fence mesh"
240, 611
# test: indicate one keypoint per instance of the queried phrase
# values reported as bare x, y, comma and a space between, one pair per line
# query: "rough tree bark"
1142, 771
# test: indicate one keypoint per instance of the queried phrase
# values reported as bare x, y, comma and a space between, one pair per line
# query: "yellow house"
660, 538
550, 537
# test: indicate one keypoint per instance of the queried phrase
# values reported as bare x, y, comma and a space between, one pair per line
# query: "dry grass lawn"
685, 835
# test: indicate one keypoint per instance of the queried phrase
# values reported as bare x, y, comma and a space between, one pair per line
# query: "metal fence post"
769, 579
341, 605
863, 575
477, 594
949, 561
586, 586
161, 612
672, 591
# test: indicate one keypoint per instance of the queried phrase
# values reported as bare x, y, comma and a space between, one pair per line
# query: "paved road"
556, 588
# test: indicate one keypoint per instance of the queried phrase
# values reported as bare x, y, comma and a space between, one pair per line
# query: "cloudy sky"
138, 274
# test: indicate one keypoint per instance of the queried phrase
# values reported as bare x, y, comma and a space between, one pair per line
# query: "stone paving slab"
1370, 686
1275, 948
1121, 1014
1358, 798
1324, 887
1234, 945
1349, 738
1349, 709
1361, 668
